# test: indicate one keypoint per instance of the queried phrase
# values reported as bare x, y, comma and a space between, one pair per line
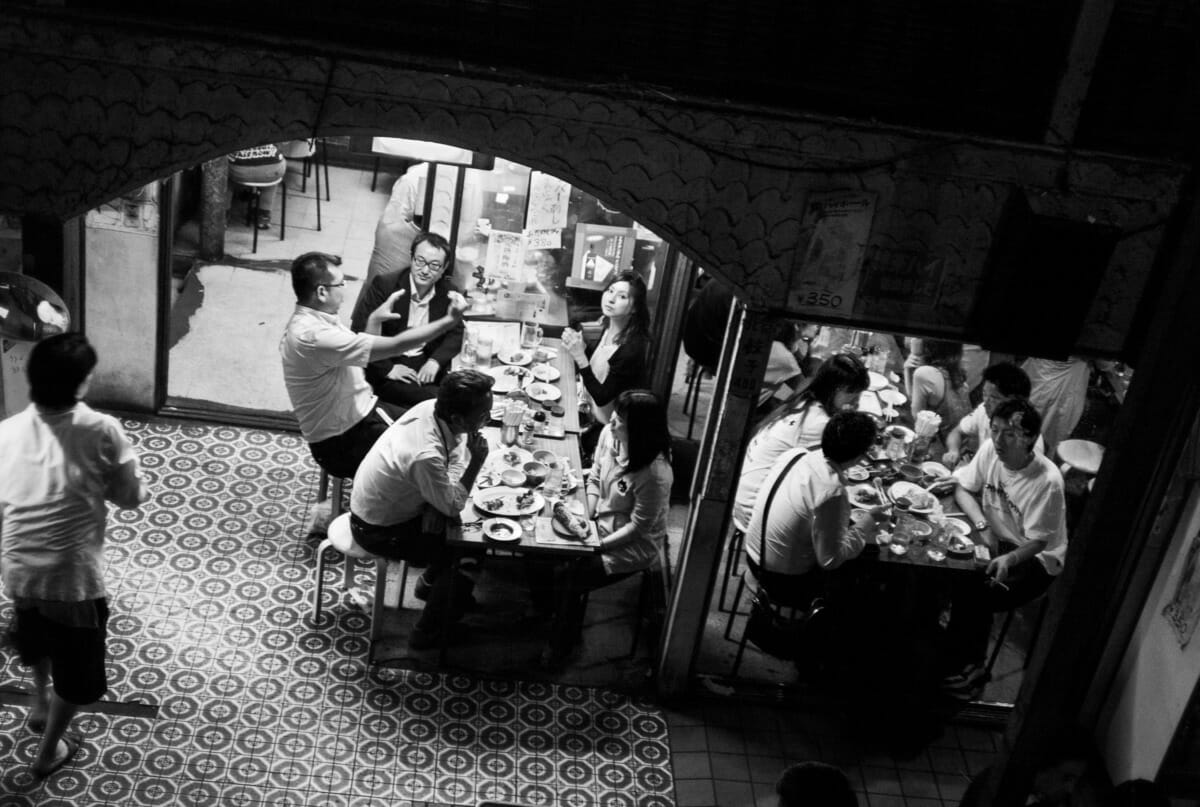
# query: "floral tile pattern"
210, 586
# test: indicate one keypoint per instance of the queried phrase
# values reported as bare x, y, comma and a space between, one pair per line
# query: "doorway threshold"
209, 411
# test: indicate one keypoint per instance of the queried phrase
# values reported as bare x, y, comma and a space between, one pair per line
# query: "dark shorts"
76, 655
341, 455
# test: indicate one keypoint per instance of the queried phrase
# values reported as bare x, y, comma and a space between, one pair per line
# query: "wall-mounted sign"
835, 229
904, 276
601, 251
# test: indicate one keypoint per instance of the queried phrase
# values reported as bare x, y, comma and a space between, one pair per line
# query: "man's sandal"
73, 744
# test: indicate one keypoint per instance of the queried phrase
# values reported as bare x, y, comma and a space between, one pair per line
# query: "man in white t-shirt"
1014, 497
62, 461
1000, 381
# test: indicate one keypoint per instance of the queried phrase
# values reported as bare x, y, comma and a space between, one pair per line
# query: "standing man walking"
61, 461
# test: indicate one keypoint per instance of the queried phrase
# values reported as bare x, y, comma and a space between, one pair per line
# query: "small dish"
545, 354
540, 391
502, 529
858, 474
897, 549
544, 372
892, 397
935, 555
547, 458
863, 496
935, 469
519, 357
878, 381
920, 529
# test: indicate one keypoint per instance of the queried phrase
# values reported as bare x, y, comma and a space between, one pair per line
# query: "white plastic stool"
390, 575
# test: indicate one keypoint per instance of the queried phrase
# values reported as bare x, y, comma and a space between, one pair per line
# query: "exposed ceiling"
986, 67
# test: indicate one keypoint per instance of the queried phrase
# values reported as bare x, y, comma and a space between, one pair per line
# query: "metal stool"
389, 574
654, 577
305, 151
733, 555
339, 483
252, 210
691, 398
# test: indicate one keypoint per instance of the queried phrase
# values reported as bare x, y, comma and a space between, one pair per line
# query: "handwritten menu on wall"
548, 199
835, 226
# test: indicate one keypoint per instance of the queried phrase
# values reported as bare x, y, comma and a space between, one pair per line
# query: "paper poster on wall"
1183, 611
601, 251
548, 198
835, 228
505, 255
543, 239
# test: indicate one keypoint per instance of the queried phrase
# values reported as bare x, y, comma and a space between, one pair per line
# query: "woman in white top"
628, 496
798, 423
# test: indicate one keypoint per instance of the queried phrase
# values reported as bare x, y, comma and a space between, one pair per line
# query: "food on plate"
501, 529
936, 555
544, 354
544, 372
960, 545
897, 549
525, 499
519, 372
866, 496
493, 504
517, 357
858, 474
576, 526
920, 500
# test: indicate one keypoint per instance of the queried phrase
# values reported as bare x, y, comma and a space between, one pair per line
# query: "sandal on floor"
73, 745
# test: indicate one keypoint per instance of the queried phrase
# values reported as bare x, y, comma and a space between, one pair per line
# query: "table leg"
449, 607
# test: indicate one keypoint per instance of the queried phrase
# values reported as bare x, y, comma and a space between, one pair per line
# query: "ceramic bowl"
911, 472
535, 473
547, 458
512, 477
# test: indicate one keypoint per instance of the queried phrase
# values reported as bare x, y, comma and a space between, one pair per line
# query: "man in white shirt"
323, 363
418, 474
1014, 497
418, 295
1000, 381
61, 462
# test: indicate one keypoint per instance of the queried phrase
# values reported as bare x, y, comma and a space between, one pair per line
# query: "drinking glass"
531, 335
483, 350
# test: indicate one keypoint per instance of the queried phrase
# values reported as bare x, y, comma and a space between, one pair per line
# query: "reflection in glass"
29, 309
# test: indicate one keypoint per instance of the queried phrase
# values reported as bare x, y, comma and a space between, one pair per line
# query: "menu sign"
901, 276
834, 231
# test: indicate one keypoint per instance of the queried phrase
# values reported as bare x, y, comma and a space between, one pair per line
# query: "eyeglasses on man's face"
333, 285
433, 266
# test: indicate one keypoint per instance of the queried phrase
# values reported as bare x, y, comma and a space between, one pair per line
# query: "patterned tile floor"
210, 587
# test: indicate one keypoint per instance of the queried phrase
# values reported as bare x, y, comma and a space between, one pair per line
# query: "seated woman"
806, 514
799, 422
628, 495
940, 385
617, 362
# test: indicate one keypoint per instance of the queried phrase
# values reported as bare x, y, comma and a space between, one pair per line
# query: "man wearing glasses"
1014, 496
420, 294
323, 363
1000, 381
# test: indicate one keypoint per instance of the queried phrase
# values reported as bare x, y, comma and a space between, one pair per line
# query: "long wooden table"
466, 538
567, 382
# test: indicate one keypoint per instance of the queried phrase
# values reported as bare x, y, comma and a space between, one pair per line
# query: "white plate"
935, 469
1082, 454
853, 490
906, 488
514, 457
543, 354
539, 392
892, 397
502, 501
502, 529
878, 381
508, 378
520, 356
956, 526
545, 372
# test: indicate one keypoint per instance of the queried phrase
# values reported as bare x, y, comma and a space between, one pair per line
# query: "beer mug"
531, 335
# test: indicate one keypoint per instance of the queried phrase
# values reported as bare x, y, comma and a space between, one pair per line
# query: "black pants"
790, 590
406, 393
570, 584
341, 455
975, 599
406, 541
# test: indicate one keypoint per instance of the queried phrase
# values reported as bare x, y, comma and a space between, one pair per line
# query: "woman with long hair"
798, 422
941, 385
617, 362
628, 496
